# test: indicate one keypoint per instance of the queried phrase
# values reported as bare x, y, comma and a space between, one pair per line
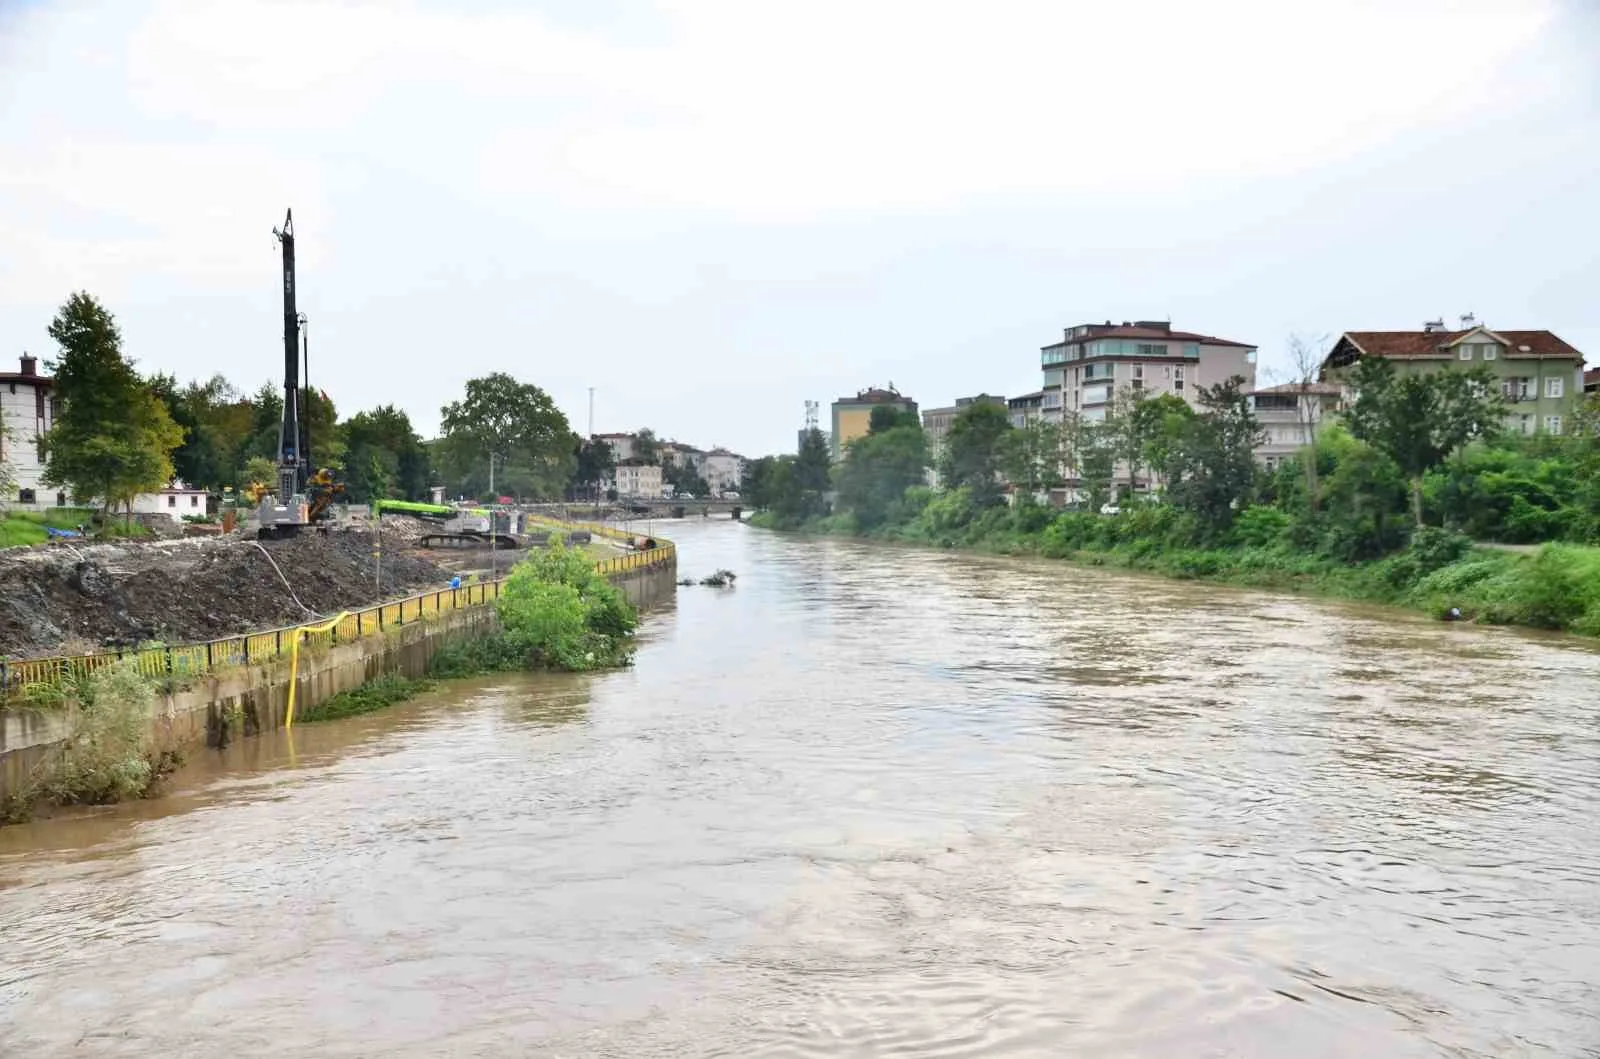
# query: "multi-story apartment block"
1539, 374
853, 415
723, 471
27, 411
1093, 363
621, 445
636, 479
1290, 416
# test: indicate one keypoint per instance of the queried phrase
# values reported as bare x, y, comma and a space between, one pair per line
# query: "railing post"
208, 656
277, 649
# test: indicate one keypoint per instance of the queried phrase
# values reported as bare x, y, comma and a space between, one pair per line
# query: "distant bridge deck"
624, 509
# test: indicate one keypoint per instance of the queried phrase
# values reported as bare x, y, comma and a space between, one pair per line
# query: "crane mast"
293, 470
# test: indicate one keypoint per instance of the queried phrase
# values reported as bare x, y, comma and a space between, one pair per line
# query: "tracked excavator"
299, 497
458, 527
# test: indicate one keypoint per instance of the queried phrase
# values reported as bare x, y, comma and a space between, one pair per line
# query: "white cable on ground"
285, 580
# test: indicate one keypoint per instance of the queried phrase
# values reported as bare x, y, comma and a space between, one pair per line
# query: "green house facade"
1540, 375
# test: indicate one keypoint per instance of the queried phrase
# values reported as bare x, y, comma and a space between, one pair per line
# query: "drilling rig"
300, 497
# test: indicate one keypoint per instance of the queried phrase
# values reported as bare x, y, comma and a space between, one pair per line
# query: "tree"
113, 437
886, 417
878, 469
684, 479
974, 452
812, 470
383, 456
594, 463
8, 473
1030, 456
1419, 419
519, 427
1212, 468
1306, 359
793, 488
646, 446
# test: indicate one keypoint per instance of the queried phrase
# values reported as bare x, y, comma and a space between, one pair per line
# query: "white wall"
19, 407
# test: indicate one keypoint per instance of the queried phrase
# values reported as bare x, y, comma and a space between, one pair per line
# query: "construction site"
74, 597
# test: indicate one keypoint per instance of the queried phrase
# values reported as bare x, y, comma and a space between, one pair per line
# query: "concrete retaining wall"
215, 709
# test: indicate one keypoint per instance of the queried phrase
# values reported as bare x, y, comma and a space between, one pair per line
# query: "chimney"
30, 365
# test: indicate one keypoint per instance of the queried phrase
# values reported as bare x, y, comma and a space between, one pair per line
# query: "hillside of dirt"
69, 599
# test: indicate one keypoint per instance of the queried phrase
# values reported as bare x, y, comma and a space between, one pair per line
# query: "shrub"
376, 694
109, 756
1260, 527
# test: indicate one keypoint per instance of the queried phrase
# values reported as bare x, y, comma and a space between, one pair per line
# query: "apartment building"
636, 479
1539, 374
1290, 416
27, 411
1085, 371
723, 471
853, 415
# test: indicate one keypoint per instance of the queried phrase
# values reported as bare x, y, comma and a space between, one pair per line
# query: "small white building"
175, 501
723, 471
27, 411
635, 479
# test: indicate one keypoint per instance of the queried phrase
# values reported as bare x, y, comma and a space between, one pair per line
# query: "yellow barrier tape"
295, 637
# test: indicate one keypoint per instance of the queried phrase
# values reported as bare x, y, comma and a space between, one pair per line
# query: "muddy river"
870, 803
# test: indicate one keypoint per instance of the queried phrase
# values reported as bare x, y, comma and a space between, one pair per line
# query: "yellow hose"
294, 659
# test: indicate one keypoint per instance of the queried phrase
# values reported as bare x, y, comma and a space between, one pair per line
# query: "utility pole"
492, 567
596, 486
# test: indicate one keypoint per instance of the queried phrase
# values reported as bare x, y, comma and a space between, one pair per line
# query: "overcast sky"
713, 210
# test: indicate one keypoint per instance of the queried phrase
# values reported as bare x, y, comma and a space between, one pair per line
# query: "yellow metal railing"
185, 661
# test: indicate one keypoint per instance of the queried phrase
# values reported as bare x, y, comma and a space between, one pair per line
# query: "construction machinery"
458, 527
300, 497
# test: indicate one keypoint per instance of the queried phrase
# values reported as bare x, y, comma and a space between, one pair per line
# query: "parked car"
730, 494
685, 496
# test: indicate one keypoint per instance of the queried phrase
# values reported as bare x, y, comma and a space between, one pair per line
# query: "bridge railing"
32, 676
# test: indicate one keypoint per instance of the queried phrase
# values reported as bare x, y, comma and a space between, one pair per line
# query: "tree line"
117, 433
1409, 451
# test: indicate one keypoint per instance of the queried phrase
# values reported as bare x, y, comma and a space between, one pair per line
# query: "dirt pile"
72, 599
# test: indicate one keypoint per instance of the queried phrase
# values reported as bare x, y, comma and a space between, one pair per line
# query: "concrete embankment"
216, 708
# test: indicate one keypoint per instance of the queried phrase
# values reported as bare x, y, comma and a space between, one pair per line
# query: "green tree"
885, 417
113, 438
1030, 457
974, 452
878, 469
1212, 469
1418, 420
594, 462
516, 424
684, 479
646, 446
8, 472
384, 457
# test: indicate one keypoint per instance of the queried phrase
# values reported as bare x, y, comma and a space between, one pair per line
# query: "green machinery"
458, 527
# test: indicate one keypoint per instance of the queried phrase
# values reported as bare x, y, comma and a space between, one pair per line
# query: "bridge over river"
870, 801
624, 509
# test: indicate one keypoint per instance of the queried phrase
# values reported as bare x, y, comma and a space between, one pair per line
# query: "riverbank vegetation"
1409, 498
109, 754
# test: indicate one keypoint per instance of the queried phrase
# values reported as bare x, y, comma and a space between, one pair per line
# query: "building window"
61, 500
194, 501
25, 496
1177, 379
1552, 424
1490, 351
172, 501
1525, 423
1151, 349
1466, 352
1553, 388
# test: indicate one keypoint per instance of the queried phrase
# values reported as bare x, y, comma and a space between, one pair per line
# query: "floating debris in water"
720, 579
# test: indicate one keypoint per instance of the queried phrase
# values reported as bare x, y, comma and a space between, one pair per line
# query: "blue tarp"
61, 533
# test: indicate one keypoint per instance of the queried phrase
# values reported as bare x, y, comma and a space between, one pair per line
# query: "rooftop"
1297, 387
1437, 343
875, 395
1152, 329
29, 373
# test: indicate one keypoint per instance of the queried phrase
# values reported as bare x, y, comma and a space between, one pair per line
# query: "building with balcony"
723, 471
1538, 373
853, 415
1026, 409
27, 412
1093, 363
1290, 416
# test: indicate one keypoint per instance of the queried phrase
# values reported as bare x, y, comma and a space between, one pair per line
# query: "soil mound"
71, 599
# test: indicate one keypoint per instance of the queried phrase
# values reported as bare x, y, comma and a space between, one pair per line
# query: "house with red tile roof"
1539, 373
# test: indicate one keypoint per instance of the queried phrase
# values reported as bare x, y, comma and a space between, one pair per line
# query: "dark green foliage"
520, 427
1209, 462
975, 450
374, 695
878, 469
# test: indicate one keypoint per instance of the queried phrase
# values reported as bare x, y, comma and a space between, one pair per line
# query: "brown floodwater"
870, 802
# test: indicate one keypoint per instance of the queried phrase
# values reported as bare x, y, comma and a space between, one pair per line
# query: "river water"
870, 802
